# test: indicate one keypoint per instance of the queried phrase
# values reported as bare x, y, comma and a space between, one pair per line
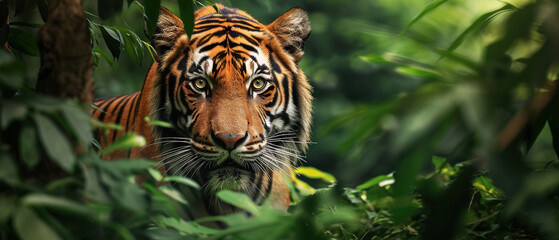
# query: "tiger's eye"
200, 84
258, 84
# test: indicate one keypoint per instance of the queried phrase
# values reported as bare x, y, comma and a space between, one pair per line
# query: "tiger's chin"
229, 175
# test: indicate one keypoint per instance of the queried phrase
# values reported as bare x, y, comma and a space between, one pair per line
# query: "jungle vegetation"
433, 119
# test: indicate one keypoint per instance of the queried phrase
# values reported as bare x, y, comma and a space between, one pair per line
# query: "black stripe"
106, 103
121, 109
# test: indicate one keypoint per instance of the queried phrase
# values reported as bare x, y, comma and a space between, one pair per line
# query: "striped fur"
239, 104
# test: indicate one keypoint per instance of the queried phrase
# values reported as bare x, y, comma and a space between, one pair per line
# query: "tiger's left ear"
169, 29
292, 28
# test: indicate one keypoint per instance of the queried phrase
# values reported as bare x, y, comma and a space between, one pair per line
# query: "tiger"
238, 102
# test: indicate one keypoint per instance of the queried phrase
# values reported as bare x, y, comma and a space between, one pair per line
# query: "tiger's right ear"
169, 29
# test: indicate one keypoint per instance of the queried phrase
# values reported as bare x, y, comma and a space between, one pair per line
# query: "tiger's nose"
229, 141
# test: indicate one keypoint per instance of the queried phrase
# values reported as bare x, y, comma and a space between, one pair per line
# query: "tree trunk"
66, 60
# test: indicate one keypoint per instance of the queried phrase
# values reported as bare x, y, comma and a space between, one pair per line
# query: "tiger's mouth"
231, 165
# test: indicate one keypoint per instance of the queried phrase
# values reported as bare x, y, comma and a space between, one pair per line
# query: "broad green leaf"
29, 226
8, 169
29, 150
7, 207
304, 188
93, 187
22, 41
151, 8
239, 200
127, 193
54, 142
113, 39
125, 165
125, 142
183, 180
79, 121
374, 182
58, 203
108, 8
186, 227
186, 8
155, 174
430, 7
173, 193
439, 162
12, 111
11, 72
314, 173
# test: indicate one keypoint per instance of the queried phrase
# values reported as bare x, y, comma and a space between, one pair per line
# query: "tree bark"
66, 60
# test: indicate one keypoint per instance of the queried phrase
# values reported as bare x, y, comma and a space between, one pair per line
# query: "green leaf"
12, 111
158, 123
374, 182
239, 200
29, 226
99, 52
22, 41
43, 7
108, 8
186, 8
11, 71
151, 8
183, 180
60, 204
29, 150
112, 38
125, 142
7, 207
79, 121
173, 193
186, 227
479, 22
155, 174
430, 7
417, 72
8, 169
439, 162
132, 45
314, 173
55, 143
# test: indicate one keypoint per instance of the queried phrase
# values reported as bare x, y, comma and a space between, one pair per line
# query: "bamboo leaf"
23, 42
430, 7
151, 8
186, 8
483, 20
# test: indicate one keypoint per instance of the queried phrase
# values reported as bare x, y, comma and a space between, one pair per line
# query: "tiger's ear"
292, 28
169, 29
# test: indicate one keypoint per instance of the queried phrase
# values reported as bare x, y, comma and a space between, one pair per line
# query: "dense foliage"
438, 126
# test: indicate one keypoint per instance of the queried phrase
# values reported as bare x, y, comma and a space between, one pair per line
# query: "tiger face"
239, 103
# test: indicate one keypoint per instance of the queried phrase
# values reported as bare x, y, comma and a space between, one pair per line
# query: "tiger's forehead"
246, 64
